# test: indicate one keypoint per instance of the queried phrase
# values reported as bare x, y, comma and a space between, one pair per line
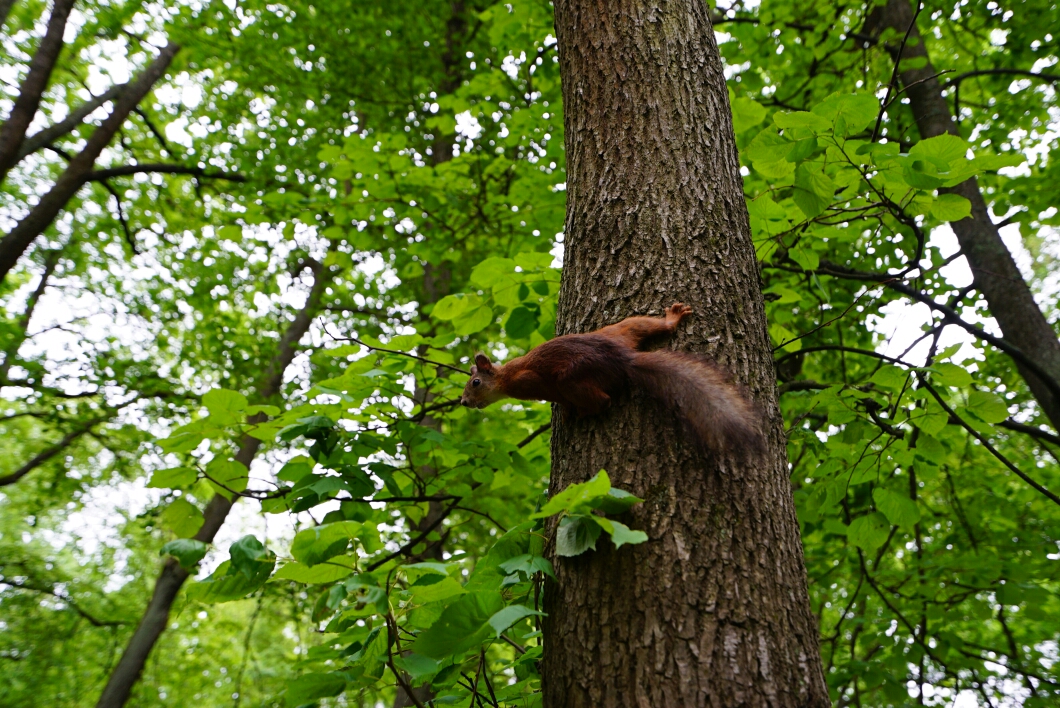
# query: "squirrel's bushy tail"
718, 414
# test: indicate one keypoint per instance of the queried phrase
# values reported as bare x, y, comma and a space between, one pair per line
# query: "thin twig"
986, 443
894, 73
396, 351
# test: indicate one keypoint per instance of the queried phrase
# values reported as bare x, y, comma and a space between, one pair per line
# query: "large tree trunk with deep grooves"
996, 275
713, 610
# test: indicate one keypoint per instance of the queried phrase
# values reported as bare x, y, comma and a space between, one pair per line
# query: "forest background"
249, 247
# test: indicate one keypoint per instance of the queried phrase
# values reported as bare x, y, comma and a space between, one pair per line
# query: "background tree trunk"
172, 577
713, 609
996, 275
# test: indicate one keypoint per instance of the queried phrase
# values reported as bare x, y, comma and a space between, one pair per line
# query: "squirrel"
582, 372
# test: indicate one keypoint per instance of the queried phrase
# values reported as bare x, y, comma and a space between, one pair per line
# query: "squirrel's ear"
474, 370
483, 362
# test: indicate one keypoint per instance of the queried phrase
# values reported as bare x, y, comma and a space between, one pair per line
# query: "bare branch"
40, 70
48, 135
19, 239
986, 444
100, 175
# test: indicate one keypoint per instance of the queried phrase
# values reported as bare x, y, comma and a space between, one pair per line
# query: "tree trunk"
713, 609
171, 579
996, 275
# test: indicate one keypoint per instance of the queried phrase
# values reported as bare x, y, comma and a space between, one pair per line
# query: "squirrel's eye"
475, 382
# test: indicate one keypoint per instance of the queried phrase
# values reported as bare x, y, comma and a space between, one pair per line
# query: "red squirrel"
582, 372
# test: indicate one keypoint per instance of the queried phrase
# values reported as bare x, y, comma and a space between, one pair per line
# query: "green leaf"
309, 687
813, 192
890, 377
227, 476
900, 510
510, 615
945, 148
869, 532
805, 120
474, 321
932, 420
851, 114
319, 543
182, 518
416, 665
616, 501
267, 410
491, 272
807, 259
951, 207
247, 554
575, 495
987, 407
463, 625
226, 407
952, 375
746, 113
317, 575
296, 468
528, 564
226, 584
187, 551
576, 534
441, 590
173, 478
622, 534
521, 323
450, 306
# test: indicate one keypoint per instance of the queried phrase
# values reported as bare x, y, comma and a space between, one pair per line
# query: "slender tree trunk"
5, 8
995, 272
15, 243
713, 610
29, 94
172, 577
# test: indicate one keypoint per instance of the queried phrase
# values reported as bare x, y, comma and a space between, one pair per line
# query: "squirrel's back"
717, 413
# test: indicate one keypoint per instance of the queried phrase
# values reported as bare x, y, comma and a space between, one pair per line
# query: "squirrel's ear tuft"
483, 362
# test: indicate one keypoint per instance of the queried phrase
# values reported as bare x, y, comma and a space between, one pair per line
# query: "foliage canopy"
404, 190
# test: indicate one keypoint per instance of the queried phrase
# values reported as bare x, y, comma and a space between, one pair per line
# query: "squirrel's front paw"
679, 310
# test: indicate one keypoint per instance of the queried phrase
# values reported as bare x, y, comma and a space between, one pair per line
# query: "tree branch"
94, 621
45, 455
44, 137
50, 263
986, 444
40, 70
100, 175
894, 73
956, 80
41, 216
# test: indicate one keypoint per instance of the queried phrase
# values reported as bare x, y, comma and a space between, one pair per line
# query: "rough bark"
996, 275
29, 93
171, 579
15, 243
713, 610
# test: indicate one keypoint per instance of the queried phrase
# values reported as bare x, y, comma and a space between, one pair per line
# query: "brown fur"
582, 372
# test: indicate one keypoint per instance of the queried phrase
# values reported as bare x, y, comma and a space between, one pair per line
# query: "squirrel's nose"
463, 401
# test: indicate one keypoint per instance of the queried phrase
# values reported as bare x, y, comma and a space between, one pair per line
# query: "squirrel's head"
482, 389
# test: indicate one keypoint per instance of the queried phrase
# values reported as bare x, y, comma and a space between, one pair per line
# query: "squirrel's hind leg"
588, 400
